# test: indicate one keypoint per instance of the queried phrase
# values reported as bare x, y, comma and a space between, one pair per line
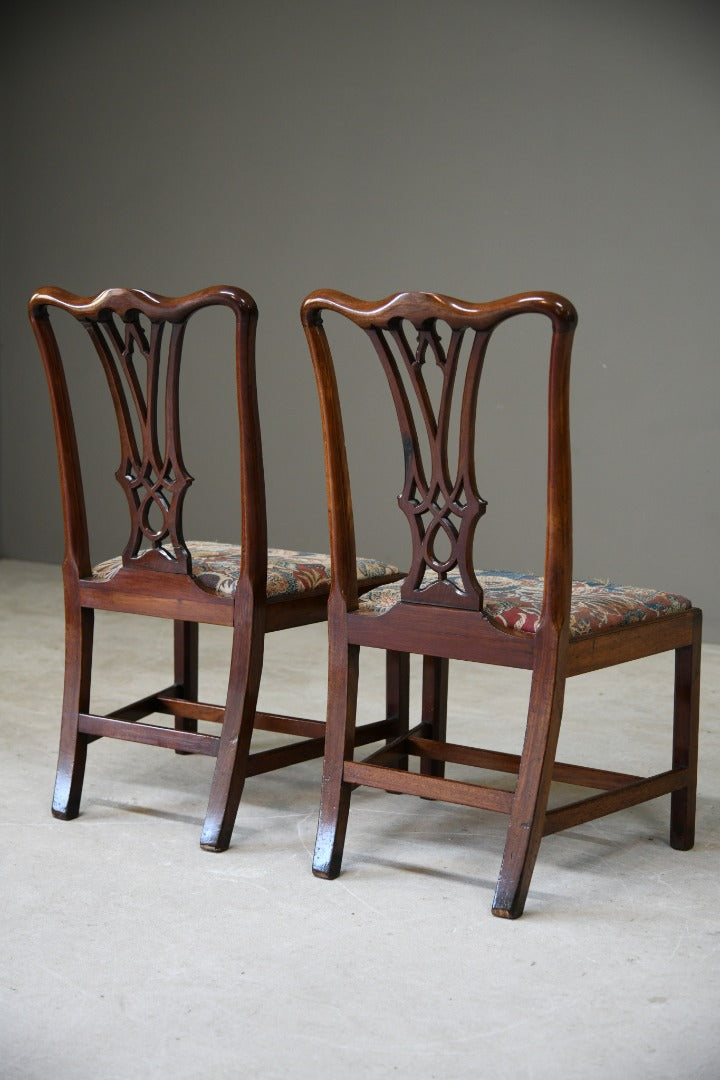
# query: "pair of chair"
442, 609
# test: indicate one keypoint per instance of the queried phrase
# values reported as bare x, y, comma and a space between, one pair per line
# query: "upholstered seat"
216, 567
513, 601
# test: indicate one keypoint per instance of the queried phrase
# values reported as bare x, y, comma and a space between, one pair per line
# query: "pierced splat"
442, 506
155, 480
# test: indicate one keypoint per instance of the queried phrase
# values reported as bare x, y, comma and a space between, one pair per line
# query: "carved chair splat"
446, 609
138, 337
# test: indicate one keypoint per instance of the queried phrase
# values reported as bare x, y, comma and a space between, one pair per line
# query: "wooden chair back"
440, 498
138, 338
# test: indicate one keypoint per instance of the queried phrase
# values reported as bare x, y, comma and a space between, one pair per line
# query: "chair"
138, 338
446, 609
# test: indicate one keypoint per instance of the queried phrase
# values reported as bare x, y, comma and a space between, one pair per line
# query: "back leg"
397, 689
339, 740
186, 670
231, 766
79, 626
434, 708
685, 738
527, 817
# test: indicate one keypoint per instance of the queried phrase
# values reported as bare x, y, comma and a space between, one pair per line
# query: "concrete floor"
127, 952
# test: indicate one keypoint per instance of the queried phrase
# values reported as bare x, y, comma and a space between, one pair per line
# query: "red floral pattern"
514, 602
217, 567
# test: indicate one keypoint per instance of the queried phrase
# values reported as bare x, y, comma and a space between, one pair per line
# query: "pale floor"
127, 952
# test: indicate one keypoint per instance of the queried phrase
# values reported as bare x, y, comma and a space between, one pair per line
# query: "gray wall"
471, 148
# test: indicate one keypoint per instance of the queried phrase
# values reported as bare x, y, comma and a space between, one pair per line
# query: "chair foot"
682, 820
503, 913
325, 874
218, 827
328, 863
508, 906
515, 874
214, 845
225, 797
330, 841
69, 782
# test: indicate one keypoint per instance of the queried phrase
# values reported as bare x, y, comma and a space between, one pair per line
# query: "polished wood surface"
445, 620
138, 339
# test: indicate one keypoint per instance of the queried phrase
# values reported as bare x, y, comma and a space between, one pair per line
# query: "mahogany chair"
138, 338
446, 609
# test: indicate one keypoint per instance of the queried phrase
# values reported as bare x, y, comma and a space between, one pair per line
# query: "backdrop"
471, 148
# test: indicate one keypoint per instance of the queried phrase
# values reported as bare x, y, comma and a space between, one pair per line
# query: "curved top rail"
421, 307
154, 306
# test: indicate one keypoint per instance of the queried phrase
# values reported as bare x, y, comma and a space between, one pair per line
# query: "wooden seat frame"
446, 621
127, 328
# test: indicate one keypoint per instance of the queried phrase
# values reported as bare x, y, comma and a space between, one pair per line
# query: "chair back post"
76, 562
559, 527
341, 524
254, 554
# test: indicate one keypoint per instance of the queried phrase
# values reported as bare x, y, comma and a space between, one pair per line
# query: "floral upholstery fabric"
514, 601
217, 567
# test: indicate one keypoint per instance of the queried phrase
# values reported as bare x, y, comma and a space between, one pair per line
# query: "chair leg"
339, 739
434, 707
527, 817
685, 739
186, 671
231, 766
79, 625
397, 696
